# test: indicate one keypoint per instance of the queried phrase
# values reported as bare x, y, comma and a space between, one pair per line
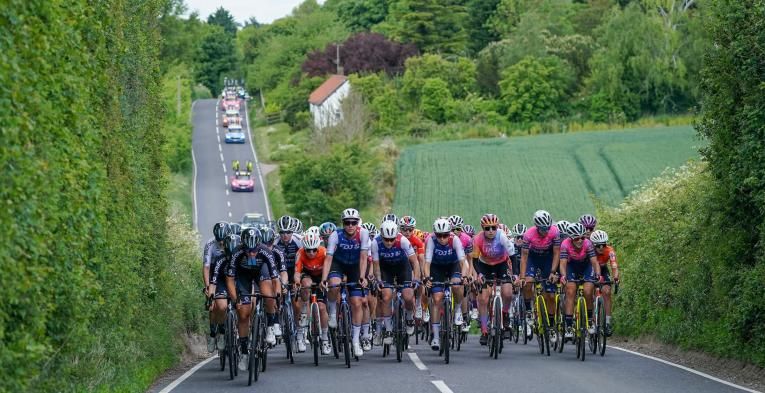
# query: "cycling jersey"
438, 254
398, 253
211, 249
289, 249
467, 243
538, 244
244, 264
417, 244
607, 257
312, 266
346, 249
572, 254
494, 251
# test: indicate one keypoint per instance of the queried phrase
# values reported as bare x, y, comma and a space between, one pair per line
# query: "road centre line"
222, 159
226, 179
220, 148
229, 215
227, 192
417, 362
229, 204
442, 386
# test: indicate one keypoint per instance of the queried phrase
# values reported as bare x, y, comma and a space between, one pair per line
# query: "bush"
535, 89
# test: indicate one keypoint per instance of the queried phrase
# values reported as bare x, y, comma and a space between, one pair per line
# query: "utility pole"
337, 59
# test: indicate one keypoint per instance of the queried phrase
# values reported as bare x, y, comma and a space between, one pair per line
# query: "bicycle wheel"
582, 328
334, 342
601, 315
288, 334
560, 323
400, 332
446, 330
496, 328
315, 332
538, 319
264, 347
546, 334
345, 334
230, 351
254, 361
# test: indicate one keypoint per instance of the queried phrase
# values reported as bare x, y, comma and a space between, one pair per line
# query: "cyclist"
308, 268
370, 295
326, 229
444, 260
470, 231
395, 262
577, 259
517, 235
407, 228
289, 244
389, 217
606, 256
589, 222
541, 250
492, 250
457, 224
562, 226
213, 254
347, 255
278, 282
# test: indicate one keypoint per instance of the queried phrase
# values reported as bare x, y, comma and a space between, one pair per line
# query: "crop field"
513, 177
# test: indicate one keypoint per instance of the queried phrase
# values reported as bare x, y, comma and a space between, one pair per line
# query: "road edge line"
257, 163
440, 385
699, 373
195, 212
187, 374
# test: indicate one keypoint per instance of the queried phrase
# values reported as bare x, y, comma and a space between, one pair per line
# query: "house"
325, 102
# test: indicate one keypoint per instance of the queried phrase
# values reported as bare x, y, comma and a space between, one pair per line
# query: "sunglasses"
406, 229
578, 238
543, 228
285, 232
350, 223
600, 245
311, 250
494, 228
385, 239
457, 229
519, 238
442, 235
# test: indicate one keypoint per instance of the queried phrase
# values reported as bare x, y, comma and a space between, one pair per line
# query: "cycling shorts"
444, 273
400, 273
351, 273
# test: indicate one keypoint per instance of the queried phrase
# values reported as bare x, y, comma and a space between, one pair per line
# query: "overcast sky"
265, 11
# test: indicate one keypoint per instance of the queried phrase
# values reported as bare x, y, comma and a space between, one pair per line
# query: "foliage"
320, 186
215, 59
359, 15
435, 99
459, 75
360, 54
180, 35
292, 99
176, 127
733, 117
709, 294
477, 27
432, 25
606, 164
221, 17
535, 89
88, 265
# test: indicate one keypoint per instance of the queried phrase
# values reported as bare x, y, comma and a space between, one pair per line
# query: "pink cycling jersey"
467, 242
537, 243
572, 254
494, 251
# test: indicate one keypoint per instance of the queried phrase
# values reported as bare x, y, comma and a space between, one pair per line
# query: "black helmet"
232, 244
286, 223
251, 238
236, 229
267, 236
221, 230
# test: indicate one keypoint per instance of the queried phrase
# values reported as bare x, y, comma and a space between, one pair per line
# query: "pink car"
242, 181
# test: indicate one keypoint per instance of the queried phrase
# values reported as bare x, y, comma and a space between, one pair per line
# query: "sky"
265, 11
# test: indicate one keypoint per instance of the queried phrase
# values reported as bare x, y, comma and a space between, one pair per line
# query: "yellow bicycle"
542, 325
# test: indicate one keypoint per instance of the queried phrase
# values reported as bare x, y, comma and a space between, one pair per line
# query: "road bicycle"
447, 320
400, 337
344, 322
560, 321
598, 340
518, 319
496, 322
287, 317
258, 349
314, 323
540, 316
581, 322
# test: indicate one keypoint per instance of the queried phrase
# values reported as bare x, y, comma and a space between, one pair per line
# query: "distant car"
229, 102
235, 134
231, 111
242, 181
228, 120
256, 220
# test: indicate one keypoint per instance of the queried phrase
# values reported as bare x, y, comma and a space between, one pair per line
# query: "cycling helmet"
298, 226
311, 241
232, 244
575, 229
388, 229
519, 229
562, 226
589, 221
469, 230
542, 218
236, 229
221, 230
327, 228
407, 222
442, 226
251, 238
286, 223
504, 228
389, 217
489, 219
268, 236
313, 229
350, 214
599, 237
369, 227
456, 221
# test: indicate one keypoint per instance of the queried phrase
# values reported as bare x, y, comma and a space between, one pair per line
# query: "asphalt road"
214, 200
520, 367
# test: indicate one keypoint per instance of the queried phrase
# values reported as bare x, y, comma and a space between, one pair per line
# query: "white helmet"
313, 229
542, 218
456, 221
442, 225
599, 237
562, 226
575, 229
312, 240
350, 213
389, 229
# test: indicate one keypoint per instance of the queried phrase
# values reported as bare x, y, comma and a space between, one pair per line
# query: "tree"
216, 56
221, 17
432, 25
435, 99
535, 89
360, 15
362, 53
479, 31
459, 75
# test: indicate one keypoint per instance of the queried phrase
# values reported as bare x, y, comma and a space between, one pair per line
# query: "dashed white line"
225, 178
224, 167
221, 158
187, 374
417, 362
227, 192
229, 205
442, 387
220, 148
229, 214
219, 139
216, 121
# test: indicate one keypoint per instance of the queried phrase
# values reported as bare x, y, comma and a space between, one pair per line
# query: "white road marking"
220, 148
690, 370
229, 214
216, 120
229, 203
417, 362
219, 139
221, 158
442, 387
187, 374
194, 186
224, 167
227, 192
226, 179
257, 164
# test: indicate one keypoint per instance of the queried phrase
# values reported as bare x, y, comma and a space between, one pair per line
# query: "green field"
513, 177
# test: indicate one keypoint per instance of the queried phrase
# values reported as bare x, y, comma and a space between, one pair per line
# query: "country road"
520, 367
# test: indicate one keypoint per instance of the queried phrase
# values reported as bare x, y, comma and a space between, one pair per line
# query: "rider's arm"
556, 254
364, 254
331, 247
375, 260
464, 267
563, 266
429, 246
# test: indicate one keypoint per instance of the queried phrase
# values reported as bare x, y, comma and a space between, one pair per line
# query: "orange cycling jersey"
312, 265
417, 244
607, 255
